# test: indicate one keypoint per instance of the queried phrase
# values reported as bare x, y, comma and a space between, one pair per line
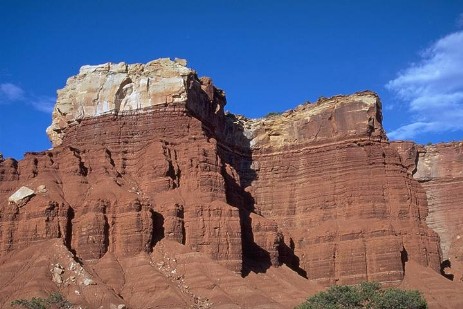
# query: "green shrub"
34, 303
365, 295
54, 300
399, 299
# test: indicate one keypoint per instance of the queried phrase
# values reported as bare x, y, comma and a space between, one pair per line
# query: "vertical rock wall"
440, 172
347, 207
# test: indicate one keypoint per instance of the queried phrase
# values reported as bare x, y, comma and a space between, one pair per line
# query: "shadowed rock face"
148, 174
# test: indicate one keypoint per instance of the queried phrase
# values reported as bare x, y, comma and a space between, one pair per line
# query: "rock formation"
439, 169
347, 208
153, 196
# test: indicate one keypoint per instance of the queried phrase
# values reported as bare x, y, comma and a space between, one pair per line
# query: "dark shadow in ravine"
158, 227
446, 265
289, 258
68, 237
404, 258
234, 151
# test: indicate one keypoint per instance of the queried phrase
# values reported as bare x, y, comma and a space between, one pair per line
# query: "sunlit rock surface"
153, 196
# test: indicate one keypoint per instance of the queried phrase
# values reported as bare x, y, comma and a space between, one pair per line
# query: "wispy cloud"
44, 104
11, 93
433, 89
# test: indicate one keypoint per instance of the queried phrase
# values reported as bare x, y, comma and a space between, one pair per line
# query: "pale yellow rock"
305, 122
88, 281
22, 195
181, 61
118, 88
41, 189
56, 278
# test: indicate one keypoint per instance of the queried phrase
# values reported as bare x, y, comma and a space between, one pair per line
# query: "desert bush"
54, 300
368, 295
400, 299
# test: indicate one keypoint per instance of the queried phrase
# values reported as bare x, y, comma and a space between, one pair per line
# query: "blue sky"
267, 56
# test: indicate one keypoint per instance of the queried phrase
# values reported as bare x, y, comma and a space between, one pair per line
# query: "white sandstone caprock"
115, 88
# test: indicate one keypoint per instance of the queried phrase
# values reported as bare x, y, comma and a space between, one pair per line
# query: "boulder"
21, 196
41, 189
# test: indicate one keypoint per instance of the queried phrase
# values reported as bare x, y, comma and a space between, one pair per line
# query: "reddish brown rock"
164, 200
122, 177
439, 169
346, 204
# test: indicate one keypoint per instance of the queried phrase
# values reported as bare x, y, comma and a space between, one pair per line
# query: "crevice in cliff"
181, 216
83, 170
105, 233
444, 267
158, 227
238, 172
403, 258
173, 175
121, 94
287, 256
173, 171
68, 237
234, 151
255, 258
35, 170
109, 157
375, 121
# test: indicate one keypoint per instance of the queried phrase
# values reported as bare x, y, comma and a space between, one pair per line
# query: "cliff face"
339, 192
123, 182
151, 187
439, 170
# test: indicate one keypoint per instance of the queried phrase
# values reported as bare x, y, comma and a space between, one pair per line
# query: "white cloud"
10, 92
44, 104
433, 89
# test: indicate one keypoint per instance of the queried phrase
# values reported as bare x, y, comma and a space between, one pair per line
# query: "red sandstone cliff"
439, 169
153, 196
347, 208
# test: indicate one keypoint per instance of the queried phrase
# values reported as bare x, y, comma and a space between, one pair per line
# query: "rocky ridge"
162, 199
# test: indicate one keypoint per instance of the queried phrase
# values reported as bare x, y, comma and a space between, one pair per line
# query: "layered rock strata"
339, 192
144, 158
439, 169
440, 172
130, 165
